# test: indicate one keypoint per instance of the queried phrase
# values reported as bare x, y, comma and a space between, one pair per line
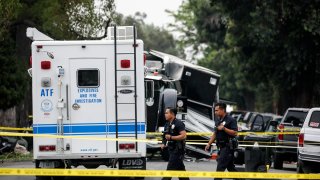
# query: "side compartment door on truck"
88, 104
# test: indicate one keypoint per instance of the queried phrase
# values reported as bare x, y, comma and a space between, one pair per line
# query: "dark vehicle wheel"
50, 177
277, 161
43, 178
61, 166
91, 166
299, 167
58, 177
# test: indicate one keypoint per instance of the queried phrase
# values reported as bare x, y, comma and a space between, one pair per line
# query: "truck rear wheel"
60, 166
50, 177
299, 167
91, 166
43, 178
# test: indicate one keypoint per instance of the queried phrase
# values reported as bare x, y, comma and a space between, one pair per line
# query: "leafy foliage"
60, 19
261, 49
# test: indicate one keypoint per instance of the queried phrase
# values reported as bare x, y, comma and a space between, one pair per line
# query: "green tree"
60, 19
12, 80
263, 48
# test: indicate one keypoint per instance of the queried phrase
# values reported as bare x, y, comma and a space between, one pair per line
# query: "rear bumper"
308, 157
287, 154
286, 147
291, 151
88, 156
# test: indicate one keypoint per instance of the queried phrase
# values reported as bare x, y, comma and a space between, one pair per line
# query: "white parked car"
309, 143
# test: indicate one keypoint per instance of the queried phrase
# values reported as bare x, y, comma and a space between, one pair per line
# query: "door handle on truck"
75, 106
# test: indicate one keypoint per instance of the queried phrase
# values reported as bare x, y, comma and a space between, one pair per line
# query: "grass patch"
11, 156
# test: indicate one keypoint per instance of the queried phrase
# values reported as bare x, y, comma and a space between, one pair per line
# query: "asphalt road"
155, 164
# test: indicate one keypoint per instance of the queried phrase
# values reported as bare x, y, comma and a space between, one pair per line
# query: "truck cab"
308, 142
291, 122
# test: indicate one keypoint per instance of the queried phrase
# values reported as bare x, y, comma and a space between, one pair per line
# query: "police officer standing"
174, 139
225, 130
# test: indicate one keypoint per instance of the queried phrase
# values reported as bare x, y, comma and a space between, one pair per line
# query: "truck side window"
88, 78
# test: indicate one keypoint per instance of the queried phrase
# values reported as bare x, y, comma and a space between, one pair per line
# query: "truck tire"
277, 161
50, 177
91, 166
61, 166
299, 166
57, 177
43, 178
168, 98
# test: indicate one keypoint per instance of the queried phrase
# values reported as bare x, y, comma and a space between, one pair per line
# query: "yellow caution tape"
266, 133
239, 133
290, 129
75, 137
98, 138
150, 173
15, 129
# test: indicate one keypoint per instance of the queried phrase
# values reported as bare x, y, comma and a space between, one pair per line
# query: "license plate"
46, 164
132, 163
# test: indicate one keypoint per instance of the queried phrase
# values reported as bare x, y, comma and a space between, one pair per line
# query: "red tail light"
125, 63
45, 64
301, 140
126, 146
281, 129
47, 148
144, 59
30, 61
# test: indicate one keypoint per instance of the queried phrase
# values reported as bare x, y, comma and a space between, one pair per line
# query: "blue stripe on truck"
87, 128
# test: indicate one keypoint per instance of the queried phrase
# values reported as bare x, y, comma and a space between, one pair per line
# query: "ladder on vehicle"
117, 86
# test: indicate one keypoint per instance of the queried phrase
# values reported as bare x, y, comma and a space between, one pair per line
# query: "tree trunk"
23, 52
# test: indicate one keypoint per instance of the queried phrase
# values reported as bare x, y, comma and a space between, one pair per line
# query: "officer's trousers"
175, 163
225, 160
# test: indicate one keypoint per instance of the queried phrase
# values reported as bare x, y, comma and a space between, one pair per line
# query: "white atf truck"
91, 89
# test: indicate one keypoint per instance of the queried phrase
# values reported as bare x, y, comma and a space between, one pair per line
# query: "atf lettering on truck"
46, 92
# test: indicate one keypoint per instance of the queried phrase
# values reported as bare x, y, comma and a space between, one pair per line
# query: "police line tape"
152, 141
149, 173
15, 129
250, 145
73, 137
239, 133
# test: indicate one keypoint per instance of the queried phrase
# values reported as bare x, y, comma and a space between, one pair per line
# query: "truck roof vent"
123, 32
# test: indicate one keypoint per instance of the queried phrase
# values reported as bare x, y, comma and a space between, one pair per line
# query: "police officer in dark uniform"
174, 139
224, 135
